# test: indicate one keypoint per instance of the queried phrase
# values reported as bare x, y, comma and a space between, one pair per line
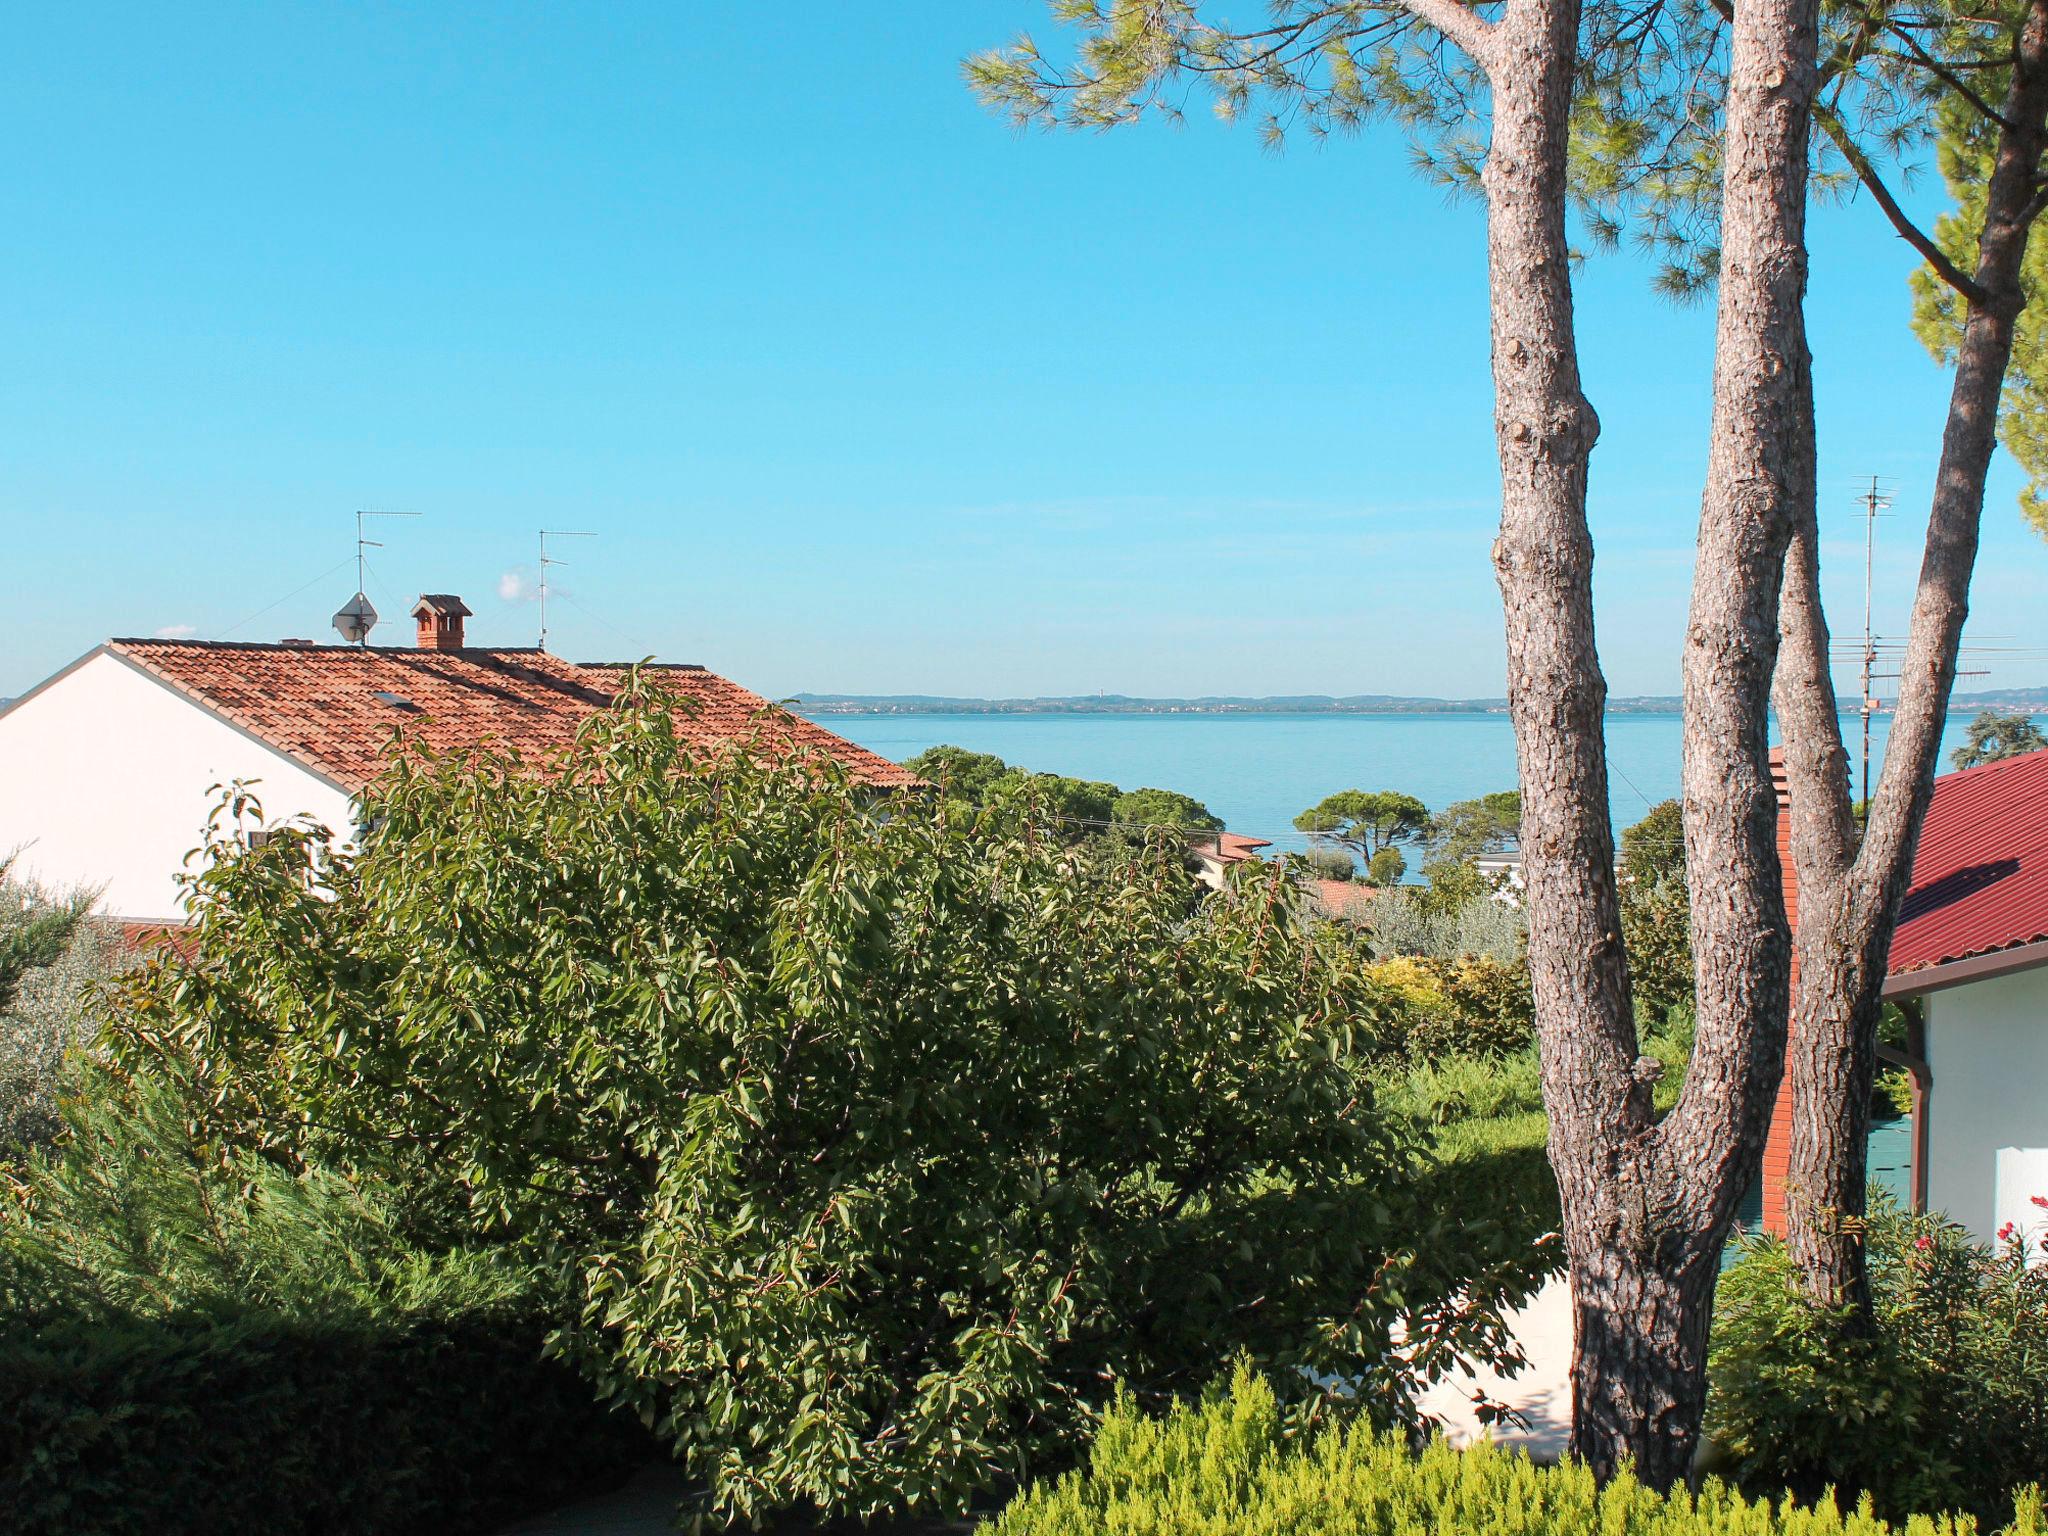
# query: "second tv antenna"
547, 560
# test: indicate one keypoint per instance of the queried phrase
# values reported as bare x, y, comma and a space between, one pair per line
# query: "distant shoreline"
826, 705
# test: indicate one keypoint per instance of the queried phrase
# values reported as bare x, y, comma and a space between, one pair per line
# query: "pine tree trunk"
1646, 1206
1849, 892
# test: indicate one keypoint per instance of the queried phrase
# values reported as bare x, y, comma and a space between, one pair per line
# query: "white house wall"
1987, 1043
105, 780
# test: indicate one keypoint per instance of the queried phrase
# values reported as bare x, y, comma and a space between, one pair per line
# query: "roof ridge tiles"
320, 704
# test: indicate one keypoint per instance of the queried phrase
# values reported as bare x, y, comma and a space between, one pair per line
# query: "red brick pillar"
1778, 1143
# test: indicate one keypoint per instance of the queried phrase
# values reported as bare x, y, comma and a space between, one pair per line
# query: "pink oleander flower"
1923, 1243
2005, 1232
2041, 1201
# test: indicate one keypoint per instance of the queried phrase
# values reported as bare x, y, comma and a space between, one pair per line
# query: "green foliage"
871, 1147
1082, 807
1235, 1464
1944, 1405
1432, 1008
1163, 808
1365, 821
1655, 846
196, 1340
1467, 828
36, 928
1656, 911
1996, 734
1424, 923
1325, 863
132, 1216
959, 773
52, 955
1087, 806
1966, 148
1386, 867
412, 1427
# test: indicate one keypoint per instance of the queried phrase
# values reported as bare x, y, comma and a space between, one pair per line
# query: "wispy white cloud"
518, 586
177, 632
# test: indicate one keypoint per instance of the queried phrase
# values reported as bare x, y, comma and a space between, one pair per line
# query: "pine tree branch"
1457, 21
1867, 173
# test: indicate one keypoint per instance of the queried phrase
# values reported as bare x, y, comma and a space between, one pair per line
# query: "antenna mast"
358, 616
1874, 504
545, 561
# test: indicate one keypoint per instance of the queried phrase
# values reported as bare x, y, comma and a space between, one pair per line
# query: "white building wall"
105, 780
1987, 1043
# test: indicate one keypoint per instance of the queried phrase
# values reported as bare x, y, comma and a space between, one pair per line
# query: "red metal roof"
1980, 879
333, 707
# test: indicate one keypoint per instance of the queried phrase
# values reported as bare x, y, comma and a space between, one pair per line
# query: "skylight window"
395, 700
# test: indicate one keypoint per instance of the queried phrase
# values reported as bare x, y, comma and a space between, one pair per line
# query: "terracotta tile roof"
1980, 877
333, 706
1344, 898
1235, 847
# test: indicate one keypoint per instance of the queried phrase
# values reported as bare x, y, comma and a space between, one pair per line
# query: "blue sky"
862, 390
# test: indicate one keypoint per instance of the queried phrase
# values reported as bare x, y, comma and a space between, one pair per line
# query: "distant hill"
2035, 699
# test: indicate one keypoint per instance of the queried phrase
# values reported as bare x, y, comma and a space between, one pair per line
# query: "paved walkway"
1541, 1393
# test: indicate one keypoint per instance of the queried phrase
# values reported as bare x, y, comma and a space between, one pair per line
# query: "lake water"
1258, 772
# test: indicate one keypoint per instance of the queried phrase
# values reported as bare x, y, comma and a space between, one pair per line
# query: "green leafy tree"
1164, 808
1386, 867
1656, 912
1467, 828
872, 1148
1365, 821
1457, 836
959, 773
1655, 846
1995, 734
1081, 806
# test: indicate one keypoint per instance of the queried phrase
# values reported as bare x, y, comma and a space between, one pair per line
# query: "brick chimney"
440, 616
1777, 1164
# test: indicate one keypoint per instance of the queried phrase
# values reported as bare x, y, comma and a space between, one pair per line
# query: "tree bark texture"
1850, 890
1646, 1205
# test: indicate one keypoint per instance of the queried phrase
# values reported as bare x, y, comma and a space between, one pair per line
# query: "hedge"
416, 1426
1230, 1467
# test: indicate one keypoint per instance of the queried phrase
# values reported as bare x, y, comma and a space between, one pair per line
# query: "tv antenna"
1877, 648
1876, 504
547, 560
358, 616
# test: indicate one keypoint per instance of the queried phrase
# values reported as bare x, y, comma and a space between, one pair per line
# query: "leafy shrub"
1943, 1406
1235, 1465
200, 1342
870, 1148
1656, 931
161, 1428
1386, 867
1403, 924
1433, 1009
1656, 911
51, 956
1325, 863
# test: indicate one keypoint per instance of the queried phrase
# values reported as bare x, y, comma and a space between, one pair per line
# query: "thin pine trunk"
1850, 887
